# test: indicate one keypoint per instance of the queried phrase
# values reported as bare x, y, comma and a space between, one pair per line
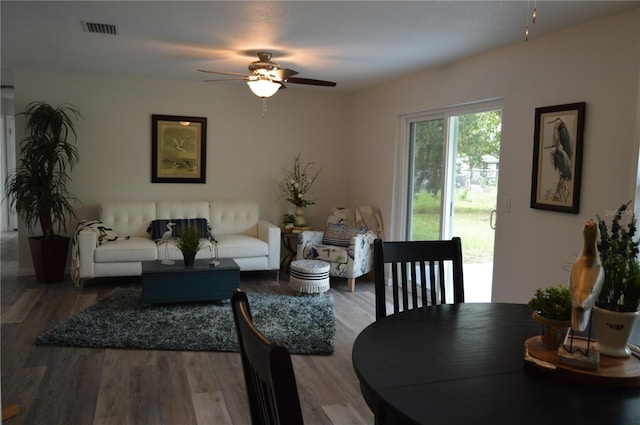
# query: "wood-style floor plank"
344, 414
17, 312
62, 385
210, 408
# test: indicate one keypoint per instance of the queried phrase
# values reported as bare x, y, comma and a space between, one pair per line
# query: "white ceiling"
354, 43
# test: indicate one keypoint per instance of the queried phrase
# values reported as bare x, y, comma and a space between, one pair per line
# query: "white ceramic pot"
613, 330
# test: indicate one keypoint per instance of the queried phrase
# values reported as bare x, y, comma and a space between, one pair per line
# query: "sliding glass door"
452, 186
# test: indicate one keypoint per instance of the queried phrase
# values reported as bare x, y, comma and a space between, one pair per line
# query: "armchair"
346, 243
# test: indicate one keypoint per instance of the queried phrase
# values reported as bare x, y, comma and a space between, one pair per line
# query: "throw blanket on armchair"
103, 233
365, 215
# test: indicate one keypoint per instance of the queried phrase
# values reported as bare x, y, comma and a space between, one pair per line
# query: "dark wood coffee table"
164, 284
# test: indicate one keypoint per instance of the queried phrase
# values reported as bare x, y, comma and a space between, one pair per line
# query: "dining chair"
418, 270
268, 372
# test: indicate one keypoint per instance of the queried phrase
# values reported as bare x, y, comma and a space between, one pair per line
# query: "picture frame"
178, 149
557, 157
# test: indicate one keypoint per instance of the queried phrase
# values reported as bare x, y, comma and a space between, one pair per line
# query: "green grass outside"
471, 222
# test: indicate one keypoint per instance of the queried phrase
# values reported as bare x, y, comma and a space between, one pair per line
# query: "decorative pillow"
341, 234
160, 228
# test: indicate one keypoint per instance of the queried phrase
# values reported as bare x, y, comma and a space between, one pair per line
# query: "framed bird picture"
178, 149
557, 158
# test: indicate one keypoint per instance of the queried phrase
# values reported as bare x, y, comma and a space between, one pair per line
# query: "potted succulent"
288, 221
552, 310
189, 242
38, 187
616, 310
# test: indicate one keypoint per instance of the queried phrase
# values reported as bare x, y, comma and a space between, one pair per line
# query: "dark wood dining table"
463, 364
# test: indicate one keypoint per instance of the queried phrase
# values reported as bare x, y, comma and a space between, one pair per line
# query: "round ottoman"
309, 276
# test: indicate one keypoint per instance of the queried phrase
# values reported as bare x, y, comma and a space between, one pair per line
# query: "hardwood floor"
58, 385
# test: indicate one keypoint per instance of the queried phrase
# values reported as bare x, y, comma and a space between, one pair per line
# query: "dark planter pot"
49, 257
189, 258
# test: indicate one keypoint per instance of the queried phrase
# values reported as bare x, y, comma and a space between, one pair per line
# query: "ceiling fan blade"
224, 73
226, 79
309, 81
283, 73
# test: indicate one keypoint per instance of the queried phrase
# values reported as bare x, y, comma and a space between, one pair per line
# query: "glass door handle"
493, 219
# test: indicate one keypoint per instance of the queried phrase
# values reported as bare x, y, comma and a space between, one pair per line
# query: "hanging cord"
534, 17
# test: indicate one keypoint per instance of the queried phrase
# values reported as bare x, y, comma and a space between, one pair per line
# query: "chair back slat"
268, 371
423, 288
414, 285
396, 287
418, 273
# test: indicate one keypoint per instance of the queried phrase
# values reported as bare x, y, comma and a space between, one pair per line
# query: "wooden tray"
612, 372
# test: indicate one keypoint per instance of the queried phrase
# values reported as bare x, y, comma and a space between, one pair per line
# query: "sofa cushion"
182, 209
237, 246
168, 250
234, 217
128, 218
133, 249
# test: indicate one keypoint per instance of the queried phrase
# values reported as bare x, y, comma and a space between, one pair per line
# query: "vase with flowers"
295, 185
616, 310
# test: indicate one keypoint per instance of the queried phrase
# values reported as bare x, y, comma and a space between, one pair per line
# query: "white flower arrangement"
297, 183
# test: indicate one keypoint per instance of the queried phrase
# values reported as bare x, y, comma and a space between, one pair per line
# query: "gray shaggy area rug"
304, 324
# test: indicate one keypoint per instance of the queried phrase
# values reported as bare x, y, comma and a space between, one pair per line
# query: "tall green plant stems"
38, 187
619, 252
189, 239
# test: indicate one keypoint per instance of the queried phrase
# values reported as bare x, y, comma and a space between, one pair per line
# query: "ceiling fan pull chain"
264, 106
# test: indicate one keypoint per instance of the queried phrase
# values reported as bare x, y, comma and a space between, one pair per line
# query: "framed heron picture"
557, 158
178, 149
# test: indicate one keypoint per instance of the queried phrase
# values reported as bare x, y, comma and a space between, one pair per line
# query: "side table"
290, 243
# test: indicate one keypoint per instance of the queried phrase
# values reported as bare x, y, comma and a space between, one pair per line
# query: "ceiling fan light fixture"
263, 88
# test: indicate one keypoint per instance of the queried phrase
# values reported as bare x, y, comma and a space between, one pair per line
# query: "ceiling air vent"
98, 28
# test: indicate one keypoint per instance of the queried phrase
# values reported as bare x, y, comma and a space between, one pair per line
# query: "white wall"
246, 153
597, 63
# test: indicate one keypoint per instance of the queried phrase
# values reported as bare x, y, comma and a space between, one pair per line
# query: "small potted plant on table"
189, 242
288, 221
552, 309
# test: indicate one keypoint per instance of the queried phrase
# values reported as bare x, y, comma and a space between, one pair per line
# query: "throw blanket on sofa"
103, 233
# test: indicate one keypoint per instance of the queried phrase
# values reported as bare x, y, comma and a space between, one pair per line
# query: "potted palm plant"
552, 310
189, 242
616, 310
38, 187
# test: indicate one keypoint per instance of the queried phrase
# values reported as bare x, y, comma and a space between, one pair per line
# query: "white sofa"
254, 244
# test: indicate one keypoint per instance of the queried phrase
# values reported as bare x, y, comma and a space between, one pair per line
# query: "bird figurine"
585, 278
168, 235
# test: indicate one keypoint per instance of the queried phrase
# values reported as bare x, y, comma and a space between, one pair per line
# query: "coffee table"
164, 284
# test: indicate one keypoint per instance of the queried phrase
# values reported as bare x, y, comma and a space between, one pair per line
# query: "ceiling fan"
267, 77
